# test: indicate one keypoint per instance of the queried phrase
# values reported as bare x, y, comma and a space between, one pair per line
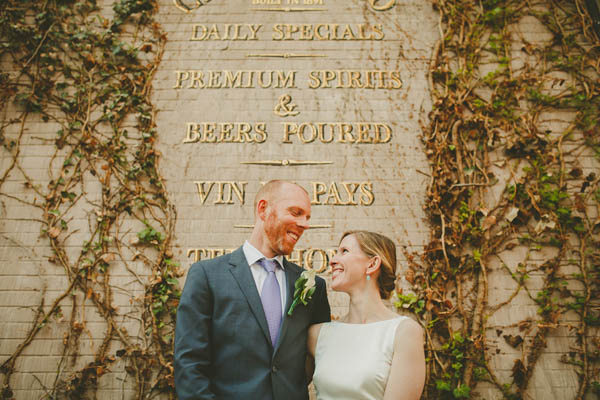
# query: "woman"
372, 352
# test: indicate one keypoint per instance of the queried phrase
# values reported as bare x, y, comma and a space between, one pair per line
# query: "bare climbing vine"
513, 142
508, 178
103, 208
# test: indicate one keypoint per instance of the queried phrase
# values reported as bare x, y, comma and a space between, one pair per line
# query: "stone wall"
330, 94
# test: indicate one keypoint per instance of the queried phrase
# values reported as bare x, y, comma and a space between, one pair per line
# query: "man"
233, 337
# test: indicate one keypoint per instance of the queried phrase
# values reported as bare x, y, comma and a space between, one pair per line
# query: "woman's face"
348, 266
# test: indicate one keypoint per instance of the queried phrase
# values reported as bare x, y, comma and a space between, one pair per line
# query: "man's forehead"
289, 191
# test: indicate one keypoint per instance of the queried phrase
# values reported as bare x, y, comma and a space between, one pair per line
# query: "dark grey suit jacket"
222, 344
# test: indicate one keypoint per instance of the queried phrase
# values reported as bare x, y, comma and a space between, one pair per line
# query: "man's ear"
261, 209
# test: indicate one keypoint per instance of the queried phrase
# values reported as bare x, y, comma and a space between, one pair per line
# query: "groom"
233, 337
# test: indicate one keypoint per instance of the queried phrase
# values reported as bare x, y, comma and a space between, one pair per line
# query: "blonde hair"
374, 244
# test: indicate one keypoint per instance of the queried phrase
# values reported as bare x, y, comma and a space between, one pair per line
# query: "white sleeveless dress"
352, 361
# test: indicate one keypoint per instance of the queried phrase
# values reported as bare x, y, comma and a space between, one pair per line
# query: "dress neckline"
369, 323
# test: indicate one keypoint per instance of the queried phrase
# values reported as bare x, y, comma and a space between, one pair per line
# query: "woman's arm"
407, 374
311, 345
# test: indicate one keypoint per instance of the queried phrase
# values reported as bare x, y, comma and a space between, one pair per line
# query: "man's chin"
286, 250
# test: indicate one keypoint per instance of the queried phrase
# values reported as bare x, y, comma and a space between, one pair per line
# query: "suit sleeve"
192, 358
322, 312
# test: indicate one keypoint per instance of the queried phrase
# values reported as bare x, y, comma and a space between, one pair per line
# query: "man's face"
287, 216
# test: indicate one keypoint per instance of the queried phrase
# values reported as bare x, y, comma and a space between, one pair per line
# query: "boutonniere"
303, 289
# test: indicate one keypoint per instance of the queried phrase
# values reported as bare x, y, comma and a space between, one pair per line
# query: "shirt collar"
253, 254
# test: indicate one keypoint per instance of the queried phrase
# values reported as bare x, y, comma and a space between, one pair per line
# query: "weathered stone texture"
397, 170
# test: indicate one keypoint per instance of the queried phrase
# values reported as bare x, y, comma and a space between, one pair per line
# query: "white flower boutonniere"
304, 289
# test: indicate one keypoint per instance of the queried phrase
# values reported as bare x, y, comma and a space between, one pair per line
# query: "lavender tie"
271, 298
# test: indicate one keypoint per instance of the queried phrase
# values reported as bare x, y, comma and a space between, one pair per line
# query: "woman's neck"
365, 307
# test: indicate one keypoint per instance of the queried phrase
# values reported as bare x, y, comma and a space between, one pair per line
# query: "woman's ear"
374, 265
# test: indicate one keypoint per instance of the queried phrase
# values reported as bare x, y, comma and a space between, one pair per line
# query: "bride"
372, 353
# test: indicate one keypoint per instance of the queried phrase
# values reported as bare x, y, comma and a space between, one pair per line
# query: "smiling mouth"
294, 236
336, 271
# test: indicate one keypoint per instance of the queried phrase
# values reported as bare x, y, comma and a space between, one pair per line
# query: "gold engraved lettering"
214, 81
196, 252
341, 132
345, 131
377, 6
238, 32
320, 263
196, 80
319, 189
367, 197
203, 193
261, 80
334, 194
209, 131
363, 134
349, 79
354, 193
225, 135
297, 256
313, 258
184, 7
379, 132
226, 79
306, 32
288, 81
226, 132
285, 107
261, 132
350, 188
332, 32
233, 79
321, 130
225, 191
181, 76
205, 254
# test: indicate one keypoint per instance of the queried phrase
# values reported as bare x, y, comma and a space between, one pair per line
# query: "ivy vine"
513, 142
87, 69
504, 181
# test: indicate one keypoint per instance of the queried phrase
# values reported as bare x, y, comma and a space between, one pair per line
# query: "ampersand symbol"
285, 108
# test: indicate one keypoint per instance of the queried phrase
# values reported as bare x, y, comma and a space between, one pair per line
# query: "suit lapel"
242, 274
291, 275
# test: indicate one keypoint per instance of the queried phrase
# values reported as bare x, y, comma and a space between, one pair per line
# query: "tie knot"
270, 265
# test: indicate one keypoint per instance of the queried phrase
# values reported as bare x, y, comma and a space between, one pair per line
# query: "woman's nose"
333, 260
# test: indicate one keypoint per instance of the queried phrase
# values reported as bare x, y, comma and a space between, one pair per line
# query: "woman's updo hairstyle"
374, 244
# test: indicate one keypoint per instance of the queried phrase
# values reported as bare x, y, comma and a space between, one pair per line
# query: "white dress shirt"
259, 274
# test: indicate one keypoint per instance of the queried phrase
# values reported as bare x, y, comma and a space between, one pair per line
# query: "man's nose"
303, 223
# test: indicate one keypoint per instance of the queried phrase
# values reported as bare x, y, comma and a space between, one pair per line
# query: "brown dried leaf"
488, 222
519, 372
513, 341
410, 276
54, 232
108, 257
